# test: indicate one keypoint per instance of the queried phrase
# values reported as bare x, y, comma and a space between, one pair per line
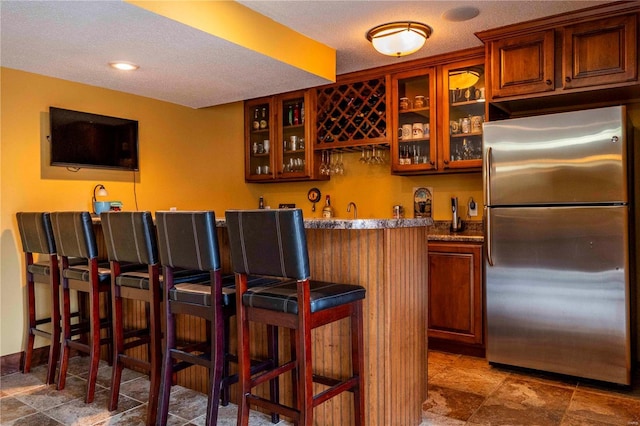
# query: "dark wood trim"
12, 363
456, 347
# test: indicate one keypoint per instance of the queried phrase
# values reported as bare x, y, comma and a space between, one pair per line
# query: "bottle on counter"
261, 203
327, 210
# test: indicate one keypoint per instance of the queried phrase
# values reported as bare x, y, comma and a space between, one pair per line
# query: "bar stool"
188, 240
273, 243
37, 237
130, 238
74, 237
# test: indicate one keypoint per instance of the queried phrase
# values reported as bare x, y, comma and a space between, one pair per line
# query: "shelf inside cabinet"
466, 135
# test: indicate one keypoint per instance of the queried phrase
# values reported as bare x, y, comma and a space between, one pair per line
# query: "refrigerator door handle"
487, 162
487, 217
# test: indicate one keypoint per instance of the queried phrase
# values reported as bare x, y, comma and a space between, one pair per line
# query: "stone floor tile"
48, 397
431, 419
15, 383
77, 413
451, 403
605, 408
79, 365
37, 419
12, 409
523, 402
479, 381
137, 389
186, 403
572, 420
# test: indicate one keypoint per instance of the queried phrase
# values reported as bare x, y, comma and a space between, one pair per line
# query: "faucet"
355, 209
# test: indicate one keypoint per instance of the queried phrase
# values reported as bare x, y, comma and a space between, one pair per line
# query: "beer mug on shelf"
405, 132
465, 125
418, 130
476, 124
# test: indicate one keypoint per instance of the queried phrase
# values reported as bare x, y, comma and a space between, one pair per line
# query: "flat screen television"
80, 139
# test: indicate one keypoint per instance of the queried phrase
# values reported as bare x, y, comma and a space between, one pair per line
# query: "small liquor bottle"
261, 203
327, 210
263, 120
296, 115
256, 121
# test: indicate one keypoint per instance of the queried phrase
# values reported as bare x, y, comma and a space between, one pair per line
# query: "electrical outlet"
472, 207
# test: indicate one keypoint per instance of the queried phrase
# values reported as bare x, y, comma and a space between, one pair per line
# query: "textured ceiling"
74, 40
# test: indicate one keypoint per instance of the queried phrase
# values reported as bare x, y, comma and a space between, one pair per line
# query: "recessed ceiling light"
459, 14
123, 66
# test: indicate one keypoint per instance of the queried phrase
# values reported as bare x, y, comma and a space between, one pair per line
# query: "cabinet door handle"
548, 82
567, 79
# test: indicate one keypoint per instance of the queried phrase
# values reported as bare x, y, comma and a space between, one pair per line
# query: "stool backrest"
188, 239
268, 242
73, 232
130, 237
36, 232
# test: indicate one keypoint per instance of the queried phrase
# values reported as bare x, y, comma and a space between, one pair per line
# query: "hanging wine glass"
363, 160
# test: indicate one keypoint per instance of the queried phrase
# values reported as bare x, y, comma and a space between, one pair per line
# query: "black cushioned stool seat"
282, 297
273, 243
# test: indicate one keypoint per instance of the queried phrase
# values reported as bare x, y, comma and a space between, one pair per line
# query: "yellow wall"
189, 159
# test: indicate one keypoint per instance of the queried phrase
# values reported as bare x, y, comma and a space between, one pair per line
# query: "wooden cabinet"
444, 133
587, 50
522, 65
277, 139
455, 312
600, 52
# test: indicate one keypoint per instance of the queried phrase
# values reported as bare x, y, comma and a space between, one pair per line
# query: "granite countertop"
441, 231
338, 223
366, 223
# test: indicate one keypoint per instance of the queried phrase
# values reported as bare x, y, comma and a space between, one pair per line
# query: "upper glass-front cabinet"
293, 159
277, 139
463, 114
413, 147
259, 159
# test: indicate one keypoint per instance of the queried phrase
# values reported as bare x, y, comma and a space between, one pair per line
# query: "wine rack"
350, 115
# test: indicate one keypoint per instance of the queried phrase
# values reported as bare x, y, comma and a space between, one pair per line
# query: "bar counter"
389, 258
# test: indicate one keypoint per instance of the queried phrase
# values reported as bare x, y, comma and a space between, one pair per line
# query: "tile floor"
468, 391
462, 391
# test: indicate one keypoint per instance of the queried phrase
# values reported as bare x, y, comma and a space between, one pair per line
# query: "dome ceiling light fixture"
123, 65
399, 38
461, 79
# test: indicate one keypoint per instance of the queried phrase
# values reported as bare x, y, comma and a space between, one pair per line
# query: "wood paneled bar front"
389, 258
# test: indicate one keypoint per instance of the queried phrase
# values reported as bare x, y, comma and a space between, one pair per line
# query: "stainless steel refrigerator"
557, 264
